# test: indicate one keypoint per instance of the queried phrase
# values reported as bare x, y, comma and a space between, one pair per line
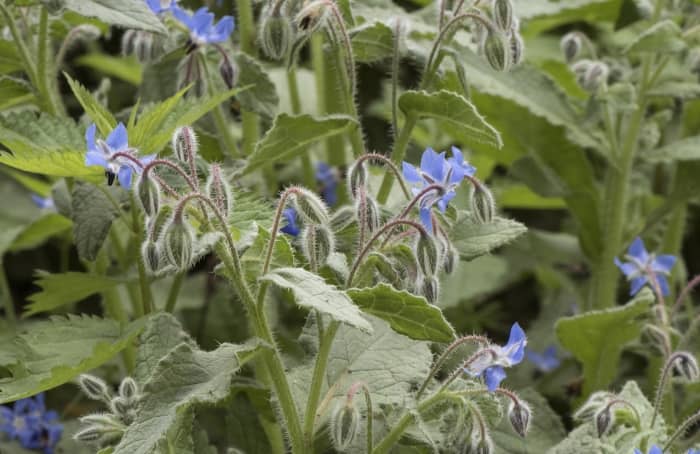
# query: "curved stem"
661, 390
687, 424
684, 294
386, 161
397, 155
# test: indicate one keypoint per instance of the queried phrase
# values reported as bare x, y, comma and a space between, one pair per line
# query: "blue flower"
545, 361
643, 268
435, 169
31, 424
44, 203
291, 228
101, 153
325, 176
693, 451
160, 6
489, 363
653, 450
201, 25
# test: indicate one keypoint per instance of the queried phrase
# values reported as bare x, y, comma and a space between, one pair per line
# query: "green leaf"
40, 231
15, 92
262, 97
687, 149
253, 257
310, 291
162, 334
124, 13
54, 352
597, 338
44, 144
93, 213
662, 37
472, 239
292, 136
99, 114
65, 288
9, 59
407, 314
372, 42
452, 110
541, 15
127, 69
184, 378
250, 211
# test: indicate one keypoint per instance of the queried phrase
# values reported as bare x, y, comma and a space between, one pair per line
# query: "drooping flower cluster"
489, 362
31, 424
644, 268
105, 153
445, 174
201, 25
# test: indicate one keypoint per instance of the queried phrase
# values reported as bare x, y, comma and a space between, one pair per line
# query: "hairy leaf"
372, 42
41, 230
662, 37
65, 288
262, 96
93, 213
472, 239
99, 114
687, 149
124, 13
161, 335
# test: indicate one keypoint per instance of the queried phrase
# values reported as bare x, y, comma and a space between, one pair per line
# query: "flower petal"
637, 284
426, 218
515, 347
627, 268
118, 139
223, 30
124, 176
638, 251
493, 376
90, 137
663, 284
663, 263
95, 158
410, 173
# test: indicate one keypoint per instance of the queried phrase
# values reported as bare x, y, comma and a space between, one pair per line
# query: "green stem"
7, 297
325, 344
246, 25
174, 292
44, 76
683, 428
144, 283
309, 178
397, 155
22, 49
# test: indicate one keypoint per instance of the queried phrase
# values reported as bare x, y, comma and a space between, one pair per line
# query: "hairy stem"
174, 292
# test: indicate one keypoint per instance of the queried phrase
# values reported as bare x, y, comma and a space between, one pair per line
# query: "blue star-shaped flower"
457, 160
653, 450
160, 6
45, 203
201, 25
435, 169
545, 361
31, 424
101, 153
325, 176
642, 267
291, 228
490, 363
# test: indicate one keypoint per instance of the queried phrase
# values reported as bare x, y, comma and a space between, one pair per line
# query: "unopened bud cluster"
590, 74
607, 410
502, 44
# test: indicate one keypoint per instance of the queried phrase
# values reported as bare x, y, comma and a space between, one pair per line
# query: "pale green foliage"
472, 239
124, 13
65, 288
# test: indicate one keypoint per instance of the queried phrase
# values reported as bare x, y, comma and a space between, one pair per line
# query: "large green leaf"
162, 334
53, 352
127, 69
65, 288
253, 257
453, 110
687, 149
541, 15
472, 239
407, 314
9, 60
184, 378
93, 213
597, 338
312, 292
40, 231
124, 13
262, 96
292, 136
372, 42
662, 37
99, 114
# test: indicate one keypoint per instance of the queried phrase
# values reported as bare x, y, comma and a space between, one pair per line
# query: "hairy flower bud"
102, 420
148, 194
367, 212
592, 405
604, 420
128, 43
571, 45
310, 207
497, 50
90, 434
276, 35
150, 254
219, 190
687, 366
427, 254
450, 259
143, 47
482, 204
430, 289
185, 145
228, 72
503, 14
318, 243
311, 17
345, 424
178, 241
155, 226
519, 414
342, 218
128, 389
94, 387
595, 76
124, 409
54, 7
357, 178
517, 48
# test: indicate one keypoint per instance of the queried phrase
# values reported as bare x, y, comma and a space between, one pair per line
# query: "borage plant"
238, 270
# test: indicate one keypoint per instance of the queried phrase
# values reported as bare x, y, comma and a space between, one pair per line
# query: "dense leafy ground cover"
349, 226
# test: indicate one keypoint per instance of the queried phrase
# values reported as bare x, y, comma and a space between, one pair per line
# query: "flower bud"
450, 259
143, 47
427, 254
687, 366
128, 43
342, 218
310, 207
178, 242
592, 405
103, 420
128, 389
604, 420
276, 35
311, 17
357, 178
156, 225
90, 434
219, 190
503, 14
148, 194
384, 267
480, 444
482, 204
94, 387
123, 409
367, 212
595, 76
497, 50
430, 289
228, 72
150, 253
345, 423
317, 244
185, 145
571, 45
517, 48
519, 414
